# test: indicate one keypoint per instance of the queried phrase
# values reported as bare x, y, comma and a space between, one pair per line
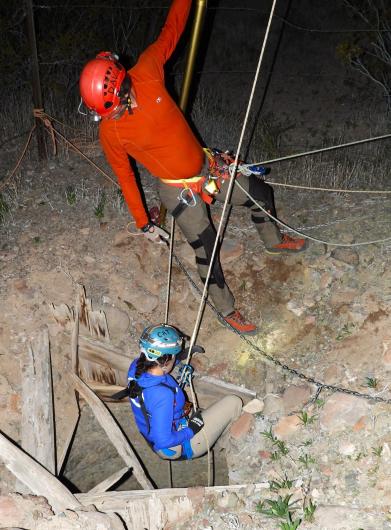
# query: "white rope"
231, 183
302, 234
306, 153
335, 190
169, 272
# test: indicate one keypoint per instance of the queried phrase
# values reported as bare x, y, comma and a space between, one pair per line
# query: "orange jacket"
156, 134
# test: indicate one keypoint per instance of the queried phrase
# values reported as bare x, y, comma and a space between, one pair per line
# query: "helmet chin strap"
124, 94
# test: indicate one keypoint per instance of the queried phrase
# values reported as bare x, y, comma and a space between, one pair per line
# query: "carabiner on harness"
186, 196
248, 169
186, 374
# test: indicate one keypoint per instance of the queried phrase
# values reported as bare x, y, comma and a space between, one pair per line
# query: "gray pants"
216, 418
196, 226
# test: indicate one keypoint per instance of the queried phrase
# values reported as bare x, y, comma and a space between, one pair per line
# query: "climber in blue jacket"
159, 403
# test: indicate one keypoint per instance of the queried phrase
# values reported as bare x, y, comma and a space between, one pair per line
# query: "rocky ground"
324, 313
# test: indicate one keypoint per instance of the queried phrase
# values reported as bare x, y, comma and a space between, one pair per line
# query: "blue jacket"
164, 408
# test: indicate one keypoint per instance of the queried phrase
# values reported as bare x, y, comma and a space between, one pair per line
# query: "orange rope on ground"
64, 139
4, 183
41, 114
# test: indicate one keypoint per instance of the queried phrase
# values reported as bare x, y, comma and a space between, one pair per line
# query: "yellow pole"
196, 30
192, 54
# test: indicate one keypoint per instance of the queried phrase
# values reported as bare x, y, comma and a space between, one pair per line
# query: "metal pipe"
196, 31
198, 22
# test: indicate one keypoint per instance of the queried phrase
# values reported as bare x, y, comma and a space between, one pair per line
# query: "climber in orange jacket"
138, 118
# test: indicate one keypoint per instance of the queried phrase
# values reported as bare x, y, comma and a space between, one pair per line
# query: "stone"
196, 495
265, 455
230, 251
274, 406
386, 357
344, 517
84, 231
295, 308
346, 255
26, 511
241, 426
254, 406
142, 301
341, 411
228, 501
89, 259
122, 238
20, 285
346, 448
14, 403
294, 397
118, 321
360, 424
286, 427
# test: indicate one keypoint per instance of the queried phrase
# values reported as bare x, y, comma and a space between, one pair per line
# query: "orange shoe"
236, 321
288, 245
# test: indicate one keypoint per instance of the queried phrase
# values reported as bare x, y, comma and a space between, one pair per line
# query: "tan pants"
216, 418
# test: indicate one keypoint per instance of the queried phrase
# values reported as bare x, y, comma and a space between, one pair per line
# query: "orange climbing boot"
237, 321
277, 243
287, 245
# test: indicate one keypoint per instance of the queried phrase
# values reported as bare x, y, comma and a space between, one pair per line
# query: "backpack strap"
144, 408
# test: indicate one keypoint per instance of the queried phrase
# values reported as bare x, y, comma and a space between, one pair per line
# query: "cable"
335, 190
298, 232
323, 149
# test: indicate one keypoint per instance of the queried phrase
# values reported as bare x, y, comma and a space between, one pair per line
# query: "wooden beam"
109, 481
116, 501
103, 353
113, 431
38, 434
35, 476
105, 391
75, 344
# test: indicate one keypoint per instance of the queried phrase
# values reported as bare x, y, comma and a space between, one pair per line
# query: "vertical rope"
169, 272
231, 183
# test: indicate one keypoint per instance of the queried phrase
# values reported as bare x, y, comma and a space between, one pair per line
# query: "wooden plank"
113, 431
109, 481
105, 391
35, 476
38, 435
116, 501
103, 354
68, 431
75, 344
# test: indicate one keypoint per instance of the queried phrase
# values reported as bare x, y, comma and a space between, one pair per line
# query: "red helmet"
100, 83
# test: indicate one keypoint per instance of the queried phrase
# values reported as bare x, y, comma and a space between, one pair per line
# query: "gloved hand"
154, 233
196, 422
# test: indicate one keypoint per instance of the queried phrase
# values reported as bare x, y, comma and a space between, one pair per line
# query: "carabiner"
187, 197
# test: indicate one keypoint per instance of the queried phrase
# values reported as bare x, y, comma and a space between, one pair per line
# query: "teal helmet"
160, 340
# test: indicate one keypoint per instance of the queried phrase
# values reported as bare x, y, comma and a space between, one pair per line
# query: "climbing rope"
169, 272
333, 190
231, 183
5, 182
323, 149
302, 234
